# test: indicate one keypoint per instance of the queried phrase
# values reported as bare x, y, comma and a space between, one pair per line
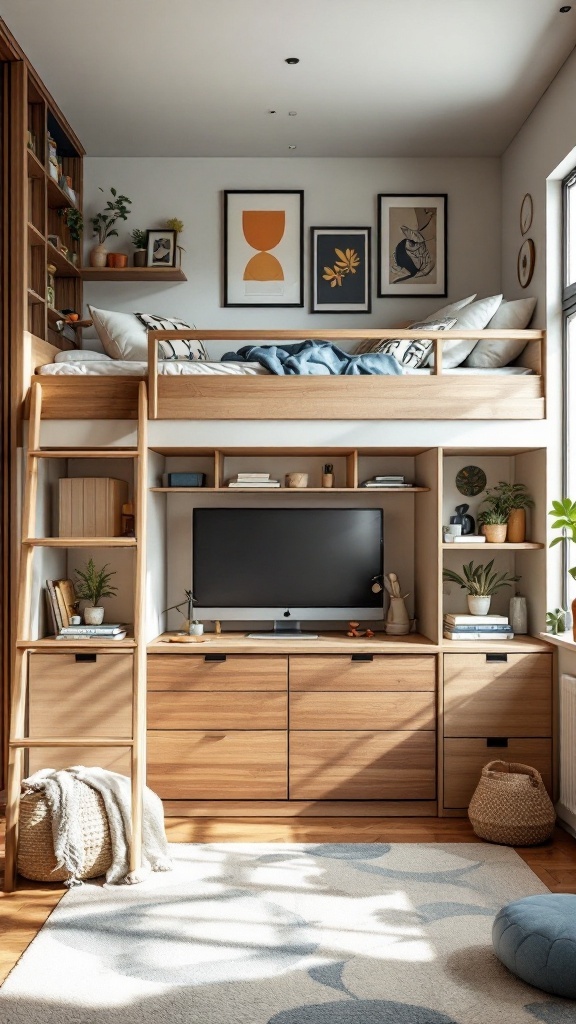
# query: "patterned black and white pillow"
178, 349
409, 352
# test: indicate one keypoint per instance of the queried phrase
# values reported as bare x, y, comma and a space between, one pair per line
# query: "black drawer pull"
85, 657
496, 741
362, 657
215, 657
496, 657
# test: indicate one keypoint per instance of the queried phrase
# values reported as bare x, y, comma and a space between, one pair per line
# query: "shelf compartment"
36, 168
35, 237
57, 197
64, 268
34, 299
84, 453
288, 490
81, 542
133, 274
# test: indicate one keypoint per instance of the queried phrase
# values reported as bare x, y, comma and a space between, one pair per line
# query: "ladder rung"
79, 453
92, 741
80, 542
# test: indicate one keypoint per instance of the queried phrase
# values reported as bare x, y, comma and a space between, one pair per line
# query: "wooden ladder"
18, 741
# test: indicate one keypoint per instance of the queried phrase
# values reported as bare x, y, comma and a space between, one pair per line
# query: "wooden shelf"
36, 168
525, 546
50, 643
35, 236
57, 197
293, 490
34, 299
54, 316
64, 268
133, 274
85, 453
81, 542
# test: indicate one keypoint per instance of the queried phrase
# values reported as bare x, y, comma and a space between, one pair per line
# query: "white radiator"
567, 803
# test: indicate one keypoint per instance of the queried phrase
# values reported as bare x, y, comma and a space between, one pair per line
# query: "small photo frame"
161, 248
263, 247
412, 245
340, 270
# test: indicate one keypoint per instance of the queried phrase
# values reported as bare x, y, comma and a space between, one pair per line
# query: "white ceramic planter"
94, 616
196, 628
98, 255
478, 605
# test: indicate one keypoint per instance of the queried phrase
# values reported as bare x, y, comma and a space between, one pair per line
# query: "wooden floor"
23, 912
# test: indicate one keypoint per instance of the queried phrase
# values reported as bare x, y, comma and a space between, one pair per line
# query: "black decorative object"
471, 480
466, 522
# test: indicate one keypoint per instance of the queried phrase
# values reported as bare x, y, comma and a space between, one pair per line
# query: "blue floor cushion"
535, 938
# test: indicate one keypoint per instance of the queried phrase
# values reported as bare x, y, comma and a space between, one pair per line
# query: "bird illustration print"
412, 257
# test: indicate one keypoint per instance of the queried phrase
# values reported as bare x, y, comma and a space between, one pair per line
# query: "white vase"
94, 616
518, 615
196, 628
478, 605
98, 255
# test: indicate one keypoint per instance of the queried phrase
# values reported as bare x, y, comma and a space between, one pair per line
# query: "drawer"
465, 759
362, 766
483, 697
218, 765
343, 672
389, 711
200, 672
202, 710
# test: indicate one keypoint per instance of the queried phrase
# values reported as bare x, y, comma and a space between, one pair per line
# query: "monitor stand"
283, 631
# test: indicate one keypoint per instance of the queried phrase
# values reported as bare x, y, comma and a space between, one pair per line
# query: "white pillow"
80, 355
450, 310
125, 336
510, 316
472, 317
408, 351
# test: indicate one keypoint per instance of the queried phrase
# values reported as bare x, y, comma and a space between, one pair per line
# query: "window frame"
568, 362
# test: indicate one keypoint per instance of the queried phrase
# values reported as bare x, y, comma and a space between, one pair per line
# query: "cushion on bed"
408, 351
451, 309
79, 355
473, 317
510, 316
125, 336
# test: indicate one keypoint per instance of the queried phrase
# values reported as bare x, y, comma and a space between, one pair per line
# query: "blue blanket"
313, 357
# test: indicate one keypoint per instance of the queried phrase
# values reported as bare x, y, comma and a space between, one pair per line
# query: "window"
569, 354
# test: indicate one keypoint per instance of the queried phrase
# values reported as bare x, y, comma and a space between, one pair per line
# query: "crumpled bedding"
315, 358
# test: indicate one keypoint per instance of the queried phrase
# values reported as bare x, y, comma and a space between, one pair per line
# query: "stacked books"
387, 481
253, 480
62, 603
477, 627
106, 631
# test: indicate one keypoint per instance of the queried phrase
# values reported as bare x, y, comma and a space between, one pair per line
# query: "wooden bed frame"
219, 397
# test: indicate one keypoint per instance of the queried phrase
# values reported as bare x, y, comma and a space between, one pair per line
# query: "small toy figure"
358, 633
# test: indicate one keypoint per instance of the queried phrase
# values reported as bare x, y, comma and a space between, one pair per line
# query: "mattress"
103, 367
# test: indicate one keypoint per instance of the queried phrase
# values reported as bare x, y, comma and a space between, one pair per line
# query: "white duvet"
105, 367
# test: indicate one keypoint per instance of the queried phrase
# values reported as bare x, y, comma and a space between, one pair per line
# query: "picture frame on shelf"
263, 247
340, 277
160, 247
412, 245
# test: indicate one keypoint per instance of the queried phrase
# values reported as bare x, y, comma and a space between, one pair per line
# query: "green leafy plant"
189, 601
94, 584
116, 209
479, 580
505, 497
556, 621
565, 513
138, 238
175, 225
74, 220
492, 517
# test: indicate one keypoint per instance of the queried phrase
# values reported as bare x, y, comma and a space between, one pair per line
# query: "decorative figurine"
357, 633
397, 619
467, 522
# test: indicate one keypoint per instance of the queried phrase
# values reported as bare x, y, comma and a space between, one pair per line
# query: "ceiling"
375, 78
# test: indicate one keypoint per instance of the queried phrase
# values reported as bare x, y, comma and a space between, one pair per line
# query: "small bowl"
297, 480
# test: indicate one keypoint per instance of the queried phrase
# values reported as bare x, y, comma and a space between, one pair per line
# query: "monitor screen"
251, 563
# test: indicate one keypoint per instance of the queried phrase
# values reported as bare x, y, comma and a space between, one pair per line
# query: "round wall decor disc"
526, 261
526, 213
471, 480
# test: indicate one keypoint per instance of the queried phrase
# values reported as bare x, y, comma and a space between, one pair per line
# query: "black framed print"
412, 245
161, 248
340, 270
263, 247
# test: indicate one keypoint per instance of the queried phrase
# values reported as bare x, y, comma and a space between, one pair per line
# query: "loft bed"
191, 392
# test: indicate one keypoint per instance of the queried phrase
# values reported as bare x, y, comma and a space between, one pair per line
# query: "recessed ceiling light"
292, 113
292, 60
291, 147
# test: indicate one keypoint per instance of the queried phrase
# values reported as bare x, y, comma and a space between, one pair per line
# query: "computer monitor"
287, 565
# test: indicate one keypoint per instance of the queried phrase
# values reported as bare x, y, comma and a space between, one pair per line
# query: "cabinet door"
386, 711
217, 672
362, 765
485, 695
190, 765
71, 696
215, 710
346, 672
464, 760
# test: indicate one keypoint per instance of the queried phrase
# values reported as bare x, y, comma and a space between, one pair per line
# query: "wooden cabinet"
385, 711
80, 695
497, 706
217, 672
380, 672
254, 710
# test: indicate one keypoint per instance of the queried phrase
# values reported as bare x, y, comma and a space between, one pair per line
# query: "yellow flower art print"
340, 270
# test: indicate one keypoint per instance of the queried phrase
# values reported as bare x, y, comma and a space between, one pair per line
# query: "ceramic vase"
98, 255
495, 533
94, 616
397, 620
516, 526
140, 258
518, 615
478, 605
196, 628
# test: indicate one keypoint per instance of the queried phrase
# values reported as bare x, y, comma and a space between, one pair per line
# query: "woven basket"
511, 805
36, 847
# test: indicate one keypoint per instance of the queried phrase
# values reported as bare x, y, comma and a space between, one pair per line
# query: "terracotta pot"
478, 605
516, 526
117, 260
495, 533
140, 258
98, 255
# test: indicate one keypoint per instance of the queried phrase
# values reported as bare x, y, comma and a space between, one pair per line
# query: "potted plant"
564, 512
138, 238
481, 583
511, 500
93, 585
494, 524
192, 626
74, 221
104, 225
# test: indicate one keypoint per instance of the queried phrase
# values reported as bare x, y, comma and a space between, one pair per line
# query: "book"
399, 479
253, 476
82, 636
51, 616
470, 538
254, 483
486, 628
55, 606
106, 629
65, 588
449, 635
385, 483
475, 620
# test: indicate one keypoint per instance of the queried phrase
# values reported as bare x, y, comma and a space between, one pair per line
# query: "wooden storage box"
91, 506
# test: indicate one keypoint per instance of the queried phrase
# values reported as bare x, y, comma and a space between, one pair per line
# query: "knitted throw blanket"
61, 791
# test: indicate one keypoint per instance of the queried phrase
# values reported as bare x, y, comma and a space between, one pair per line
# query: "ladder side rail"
138, 759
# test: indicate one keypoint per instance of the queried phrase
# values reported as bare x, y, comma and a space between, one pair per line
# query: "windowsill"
561, 640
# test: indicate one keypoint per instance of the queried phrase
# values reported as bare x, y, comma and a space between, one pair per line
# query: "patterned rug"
287, 934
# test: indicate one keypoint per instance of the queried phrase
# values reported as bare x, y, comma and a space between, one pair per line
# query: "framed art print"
340, 270
412, 245
161, 248
263, 248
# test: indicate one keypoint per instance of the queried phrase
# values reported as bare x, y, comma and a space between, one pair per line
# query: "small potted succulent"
93, 585
138, 239
104, 225
564, 513
481, 583
192, 626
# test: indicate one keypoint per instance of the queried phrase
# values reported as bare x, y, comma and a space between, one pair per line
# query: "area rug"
287, 934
